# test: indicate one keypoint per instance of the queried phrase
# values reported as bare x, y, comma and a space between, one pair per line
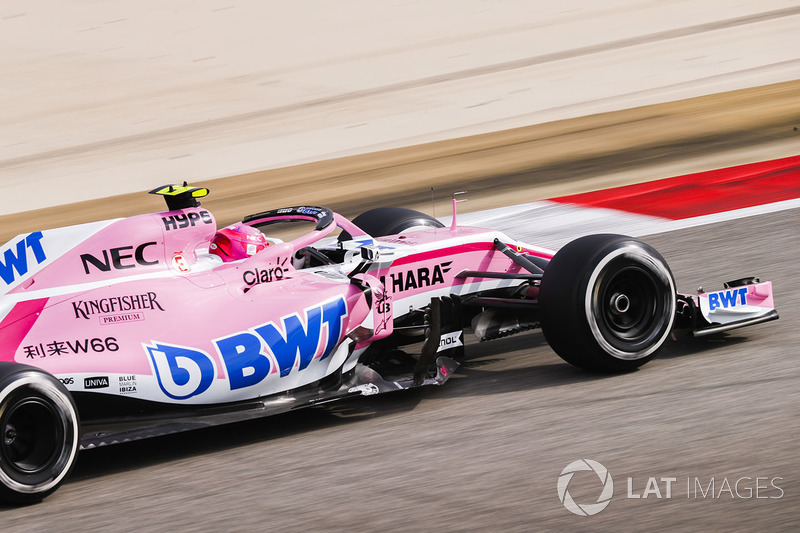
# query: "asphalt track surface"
484, 452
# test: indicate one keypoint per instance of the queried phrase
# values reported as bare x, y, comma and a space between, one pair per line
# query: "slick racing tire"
383, 221
39, 440
607, 303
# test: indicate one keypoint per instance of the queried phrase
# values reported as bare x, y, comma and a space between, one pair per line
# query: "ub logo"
181, 372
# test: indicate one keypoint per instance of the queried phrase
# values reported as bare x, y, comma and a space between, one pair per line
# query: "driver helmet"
238, 241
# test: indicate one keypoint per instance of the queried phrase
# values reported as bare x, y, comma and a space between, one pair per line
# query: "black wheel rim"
630, 306
32, 433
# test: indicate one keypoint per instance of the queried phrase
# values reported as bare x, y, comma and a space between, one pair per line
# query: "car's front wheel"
607, 302
39, 431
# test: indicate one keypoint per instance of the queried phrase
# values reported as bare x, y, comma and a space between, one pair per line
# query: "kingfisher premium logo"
116, 306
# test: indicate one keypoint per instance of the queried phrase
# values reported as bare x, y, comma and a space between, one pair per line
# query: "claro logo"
269, 274
263, 275
119, 258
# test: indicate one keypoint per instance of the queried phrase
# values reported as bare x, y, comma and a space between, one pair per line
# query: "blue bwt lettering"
729, 298
18, 261
298, 338
185, 372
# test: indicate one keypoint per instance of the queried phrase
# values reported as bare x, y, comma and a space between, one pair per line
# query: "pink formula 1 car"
157, 323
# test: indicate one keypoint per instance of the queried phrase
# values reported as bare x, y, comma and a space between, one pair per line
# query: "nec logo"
418, 278
15, 259
118, 258
729, 298
184, 221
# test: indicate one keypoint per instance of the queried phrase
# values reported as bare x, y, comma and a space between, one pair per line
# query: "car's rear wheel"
383, 221
607, 302
39, 430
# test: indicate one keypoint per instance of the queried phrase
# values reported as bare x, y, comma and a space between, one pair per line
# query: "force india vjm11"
134, 327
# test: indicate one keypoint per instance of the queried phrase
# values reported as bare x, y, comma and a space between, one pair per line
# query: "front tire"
39, 429
607, 303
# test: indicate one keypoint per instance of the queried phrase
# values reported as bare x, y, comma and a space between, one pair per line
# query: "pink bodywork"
138, 307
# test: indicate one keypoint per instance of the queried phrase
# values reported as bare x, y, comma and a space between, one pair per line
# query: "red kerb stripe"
703, 193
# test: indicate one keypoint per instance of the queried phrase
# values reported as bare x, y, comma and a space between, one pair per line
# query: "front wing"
742, 302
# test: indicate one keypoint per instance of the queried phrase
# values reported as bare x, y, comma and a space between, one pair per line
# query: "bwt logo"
15, 258
587, 509
725, 299
185, 372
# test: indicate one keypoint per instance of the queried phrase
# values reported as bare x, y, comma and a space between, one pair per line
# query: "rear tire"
607, 303
383, 221
39, 430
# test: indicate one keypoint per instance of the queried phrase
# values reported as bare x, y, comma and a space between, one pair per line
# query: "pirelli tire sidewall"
607, 302
39, 433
